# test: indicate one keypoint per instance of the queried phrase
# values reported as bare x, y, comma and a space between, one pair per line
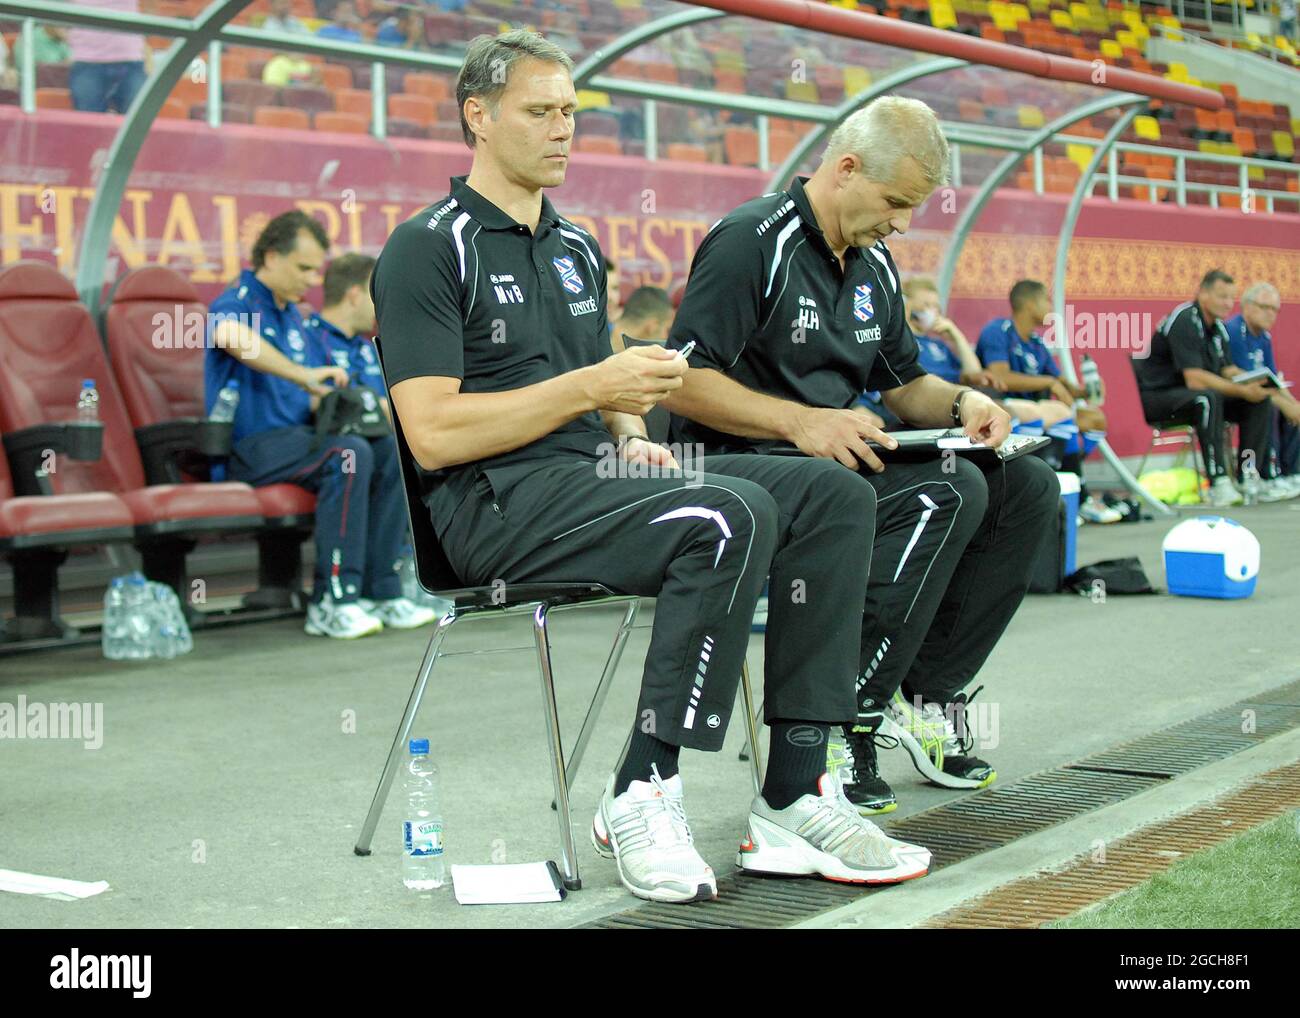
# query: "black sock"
796, 759
643, 751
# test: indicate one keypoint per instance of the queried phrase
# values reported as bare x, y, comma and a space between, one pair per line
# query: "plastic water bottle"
423, 866
114, 635
1250, 483
88, 402
1091, 378
139, 624
227, 402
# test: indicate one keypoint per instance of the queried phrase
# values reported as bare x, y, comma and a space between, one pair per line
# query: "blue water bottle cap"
87, 383
419, 746
233, 384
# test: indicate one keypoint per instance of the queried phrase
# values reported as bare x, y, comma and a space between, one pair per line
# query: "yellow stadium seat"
942, 15
1080, 155
1030, 116
1005, 21
1255, 172
1127, 40
1062, 19
1040, 6
856, 79
588, 99
1133, 18
1147, 128
1253, 41
1020, 11
802, 91
1227, 148
1193, 81
1110, 48
1283, 144
1208, 147
1177, 70
1080, 11
1295, 126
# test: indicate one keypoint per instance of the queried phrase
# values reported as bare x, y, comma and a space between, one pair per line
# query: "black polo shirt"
463, 291
769, 306
1182, 340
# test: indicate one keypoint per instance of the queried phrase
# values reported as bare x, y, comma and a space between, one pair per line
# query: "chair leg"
751, 728
602, 689
403, 734
568, 855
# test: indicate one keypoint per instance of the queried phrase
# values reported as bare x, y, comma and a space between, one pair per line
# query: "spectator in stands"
108, 68
281, 19
404, 29
49, 45
8, 76
286, 70
794, 303
345, 325
1182, 380
282, 373
1286, 19
346, 24
492, 315
1251, 346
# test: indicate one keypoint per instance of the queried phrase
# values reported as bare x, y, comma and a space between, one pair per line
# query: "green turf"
1250, 881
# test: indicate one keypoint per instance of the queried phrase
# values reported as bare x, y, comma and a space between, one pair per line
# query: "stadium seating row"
147, 486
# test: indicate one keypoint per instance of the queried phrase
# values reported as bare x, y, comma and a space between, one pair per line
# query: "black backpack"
354, 410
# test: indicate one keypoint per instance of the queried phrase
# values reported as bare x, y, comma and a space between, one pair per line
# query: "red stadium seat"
431, 85
48, 343
335, 77
36, 532
165, 385
353, 100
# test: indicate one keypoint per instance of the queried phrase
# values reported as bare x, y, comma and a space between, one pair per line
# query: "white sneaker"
398, 612
645, 832
1276, 490
340, 621
1224, 493
824, 835
1096, 511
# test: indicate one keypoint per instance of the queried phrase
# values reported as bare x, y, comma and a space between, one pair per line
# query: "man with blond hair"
795, 308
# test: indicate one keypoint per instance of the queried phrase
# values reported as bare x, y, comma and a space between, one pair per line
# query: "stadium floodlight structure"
930, 63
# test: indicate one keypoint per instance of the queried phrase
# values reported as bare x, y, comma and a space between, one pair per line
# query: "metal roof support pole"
885, 85
1081, 190
621, 45
966, 222
130, 138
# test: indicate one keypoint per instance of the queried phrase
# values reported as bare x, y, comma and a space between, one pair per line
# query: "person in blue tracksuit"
1250, 345
259, 339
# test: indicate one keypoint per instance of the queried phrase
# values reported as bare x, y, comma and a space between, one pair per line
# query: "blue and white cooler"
1055, 560
1211, 556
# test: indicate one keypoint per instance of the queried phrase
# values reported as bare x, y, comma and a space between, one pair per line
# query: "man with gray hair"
1250, 344
794, 304
492, 317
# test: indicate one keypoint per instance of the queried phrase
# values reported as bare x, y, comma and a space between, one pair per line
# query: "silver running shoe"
823, 835
645, 832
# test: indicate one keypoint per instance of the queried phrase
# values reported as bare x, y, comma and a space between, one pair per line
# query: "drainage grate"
1033, 901
995, 817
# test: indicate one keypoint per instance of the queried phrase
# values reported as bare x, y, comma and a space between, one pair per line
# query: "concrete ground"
230, 785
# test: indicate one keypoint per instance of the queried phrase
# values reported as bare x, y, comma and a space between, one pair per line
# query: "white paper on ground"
50, 887
517, 883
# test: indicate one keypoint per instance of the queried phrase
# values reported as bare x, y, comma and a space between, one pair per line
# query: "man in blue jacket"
258, 339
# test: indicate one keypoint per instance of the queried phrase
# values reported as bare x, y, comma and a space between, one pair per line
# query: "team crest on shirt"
862, 309
568, 274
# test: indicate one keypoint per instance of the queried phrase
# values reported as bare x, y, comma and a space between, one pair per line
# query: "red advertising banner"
198, 198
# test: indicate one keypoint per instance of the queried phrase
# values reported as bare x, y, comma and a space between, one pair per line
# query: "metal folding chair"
437, 576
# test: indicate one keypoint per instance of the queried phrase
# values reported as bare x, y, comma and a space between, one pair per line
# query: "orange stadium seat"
681, 152
353, 100
53, 99
419, 83
741, 146
281, 116
336, 77
417, 108
174, 109
601, 144
341, 123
